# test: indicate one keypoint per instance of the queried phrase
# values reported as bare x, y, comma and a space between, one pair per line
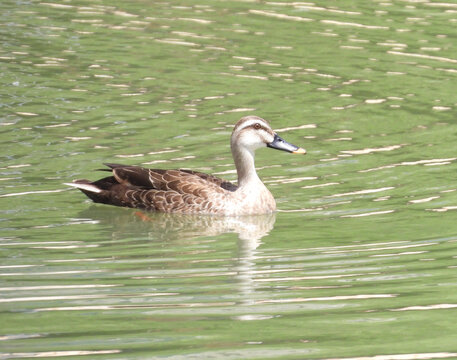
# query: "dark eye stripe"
250, 119
253, 126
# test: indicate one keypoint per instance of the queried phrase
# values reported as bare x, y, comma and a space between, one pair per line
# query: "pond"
359, 262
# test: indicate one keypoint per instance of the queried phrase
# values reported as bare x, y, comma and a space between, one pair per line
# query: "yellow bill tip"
299, 151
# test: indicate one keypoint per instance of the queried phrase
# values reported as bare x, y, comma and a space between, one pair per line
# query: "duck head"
252, 132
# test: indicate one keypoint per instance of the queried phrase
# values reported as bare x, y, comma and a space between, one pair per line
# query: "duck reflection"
159, 226
176, 229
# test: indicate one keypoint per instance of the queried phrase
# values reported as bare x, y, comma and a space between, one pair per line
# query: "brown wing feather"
182, 191
163, 201
211, 178
181, 181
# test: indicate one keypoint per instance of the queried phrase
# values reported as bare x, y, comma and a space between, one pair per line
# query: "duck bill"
279, 143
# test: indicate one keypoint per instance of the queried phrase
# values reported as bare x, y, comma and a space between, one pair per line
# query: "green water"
360, 260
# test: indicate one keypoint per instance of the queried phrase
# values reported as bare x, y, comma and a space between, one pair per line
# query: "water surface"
359, 261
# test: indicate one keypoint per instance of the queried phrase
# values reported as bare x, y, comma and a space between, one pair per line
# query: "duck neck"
245, 167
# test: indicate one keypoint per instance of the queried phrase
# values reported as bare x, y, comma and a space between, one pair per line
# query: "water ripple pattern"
358, 263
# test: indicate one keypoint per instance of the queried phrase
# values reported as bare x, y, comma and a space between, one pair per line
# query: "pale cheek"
254, 141
256, 145
250, 141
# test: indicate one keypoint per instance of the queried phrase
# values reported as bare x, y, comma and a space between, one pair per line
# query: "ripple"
81, 297
19, 337
176, 42
362, 192
423, 56
26, 113
427, 307
328, 298
424, 200
320, 185
421, 356
351, 24
382, 212
372, 150
407, 246
298, 127
279, 16
46, 354
47, 273
59, 6
444, 209
198, 21
444, 161
33, 192
56, 287
375, 101
312, 277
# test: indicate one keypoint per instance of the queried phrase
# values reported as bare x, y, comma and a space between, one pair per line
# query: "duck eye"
257, 126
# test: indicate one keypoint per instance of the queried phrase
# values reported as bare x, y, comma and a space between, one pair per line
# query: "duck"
191, 192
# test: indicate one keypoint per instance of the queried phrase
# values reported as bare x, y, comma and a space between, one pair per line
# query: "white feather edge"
87, 187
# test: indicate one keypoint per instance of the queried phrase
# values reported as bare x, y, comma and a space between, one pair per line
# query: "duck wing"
181, 181
227, 185
183, 191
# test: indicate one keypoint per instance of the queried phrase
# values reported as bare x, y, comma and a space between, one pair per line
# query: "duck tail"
98, 191
85, 186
